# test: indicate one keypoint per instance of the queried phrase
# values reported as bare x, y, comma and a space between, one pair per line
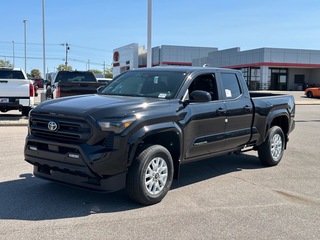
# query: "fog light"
33, 148
73, 155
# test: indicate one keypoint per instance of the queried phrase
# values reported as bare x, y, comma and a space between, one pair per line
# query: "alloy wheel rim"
156, 175
276, 147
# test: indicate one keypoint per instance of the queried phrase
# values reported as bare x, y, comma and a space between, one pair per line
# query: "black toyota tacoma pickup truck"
140, 128
69, 83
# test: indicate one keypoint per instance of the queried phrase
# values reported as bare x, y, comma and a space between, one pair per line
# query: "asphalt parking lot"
230, 197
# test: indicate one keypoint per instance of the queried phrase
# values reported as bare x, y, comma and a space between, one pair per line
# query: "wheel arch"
280, 119
167, 135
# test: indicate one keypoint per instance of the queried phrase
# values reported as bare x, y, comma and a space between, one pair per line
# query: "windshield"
11, 74
157, 84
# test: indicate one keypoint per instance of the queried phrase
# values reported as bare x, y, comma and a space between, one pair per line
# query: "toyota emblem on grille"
52, 126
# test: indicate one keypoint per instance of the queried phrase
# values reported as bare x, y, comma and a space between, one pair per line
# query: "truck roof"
185, 69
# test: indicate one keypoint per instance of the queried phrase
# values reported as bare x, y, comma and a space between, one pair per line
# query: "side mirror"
200, 96
100, 89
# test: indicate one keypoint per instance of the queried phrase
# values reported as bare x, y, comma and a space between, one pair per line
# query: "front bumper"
109, 184
90, 167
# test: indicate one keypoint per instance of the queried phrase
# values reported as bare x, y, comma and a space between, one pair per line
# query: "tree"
95, 71
63, 67
108, 73
35, 73
5, 64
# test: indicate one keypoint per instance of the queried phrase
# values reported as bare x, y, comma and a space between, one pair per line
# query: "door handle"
247, 108
221, 111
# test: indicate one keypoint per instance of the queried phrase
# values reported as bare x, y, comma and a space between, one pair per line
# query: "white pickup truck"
16, 91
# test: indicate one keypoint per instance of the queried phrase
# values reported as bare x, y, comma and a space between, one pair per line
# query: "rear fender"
279, 117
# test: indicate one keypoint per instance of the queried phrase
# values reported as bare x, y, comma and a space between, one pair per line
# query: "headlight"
116, 125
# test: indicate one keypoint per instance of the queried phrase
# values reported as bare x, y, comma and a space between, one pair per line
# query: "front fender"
146, 131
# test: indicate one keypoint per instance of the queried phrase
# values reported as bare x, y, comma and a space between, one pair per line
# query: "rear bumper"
17, 104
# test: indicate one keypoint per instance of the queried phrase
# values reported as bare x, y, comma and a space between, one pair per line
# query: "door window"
231, 87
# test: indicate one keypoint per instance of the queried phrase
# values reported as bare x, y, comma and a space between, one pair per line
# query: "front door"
204, 130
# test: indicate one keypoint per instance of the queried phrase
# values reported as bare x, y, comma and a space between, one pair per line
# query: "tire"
48, 94
25, 111
309, 94
150, 176
271, 151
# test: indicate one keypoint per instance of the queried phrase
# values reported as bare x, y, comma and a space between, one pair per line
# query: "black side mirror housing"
100, 89
200, 96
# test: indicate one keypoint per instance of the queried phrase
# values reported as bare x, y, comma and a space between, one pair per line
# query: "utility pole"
67, 49
13, 52
25, 45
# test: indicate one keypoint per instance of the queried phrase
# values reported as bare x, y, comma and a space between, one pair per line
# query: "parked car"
312, 92
38, 82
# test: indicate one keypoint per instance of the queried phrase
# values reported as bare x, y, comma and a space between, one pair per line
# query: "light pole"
43, 42
13, 53
25, 44
149, 55
43, 93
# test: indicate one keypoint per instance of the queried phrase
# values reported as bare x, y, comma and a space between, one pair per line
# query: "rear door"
239, 110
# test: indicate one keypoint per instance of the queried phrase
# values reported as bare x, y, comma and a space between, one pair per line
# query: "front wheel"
150, 176
309, 94
271, 151
25, 111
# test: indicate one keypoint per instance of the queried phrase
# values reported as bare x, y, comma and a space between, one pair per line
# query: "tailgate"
14, 88
78, 88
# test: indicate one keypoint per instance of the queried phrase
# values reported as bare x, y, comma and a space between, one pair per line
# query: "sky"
93, 28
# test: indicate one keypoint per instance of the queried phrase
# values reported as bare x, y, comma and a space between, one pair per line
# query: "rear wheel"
150, 176
271, 151
309, 94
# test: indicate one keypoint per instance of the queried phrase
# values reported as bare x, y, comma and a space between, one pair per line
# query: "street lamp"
149, 55
25, 44
43, 43
13, 53
43, 93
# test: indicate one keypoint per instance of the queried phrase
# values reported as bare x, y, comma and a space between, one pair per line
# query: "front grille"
69, 129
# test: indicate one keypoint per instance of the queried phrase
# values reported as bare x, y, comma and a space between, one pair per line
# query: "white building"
134, 56
263, 68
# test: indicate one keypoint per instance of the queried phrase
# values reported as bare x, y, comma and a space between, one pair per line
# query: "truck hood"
100, 106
